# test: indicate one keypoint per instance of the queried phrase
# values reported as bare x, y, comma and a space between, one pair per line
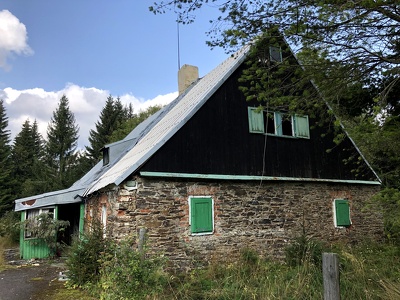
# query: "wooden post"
142, 239
330, 270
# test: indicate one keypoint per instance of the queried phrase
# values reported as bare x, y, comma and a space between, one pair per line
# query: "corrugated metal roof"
169, 122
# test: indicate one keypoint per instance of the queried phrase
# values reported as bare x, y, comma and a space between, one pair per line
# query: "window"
106, 156
341, 208
31, 219
278, 123
275, 54
201, 215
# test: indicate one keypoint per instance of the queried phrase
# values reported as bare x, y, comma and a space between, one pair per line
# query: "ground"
34, 280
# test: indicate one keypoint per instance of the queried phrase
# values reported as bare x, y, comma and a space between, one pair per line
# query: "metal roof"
142, 142
169, 122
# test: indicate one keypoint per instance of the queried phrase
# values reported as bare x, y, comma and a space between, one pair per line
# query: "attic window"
278, 123
275, 54
106, 156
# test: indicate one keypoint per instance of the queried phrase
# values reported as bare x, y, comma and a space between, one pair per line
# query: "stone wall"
264, 216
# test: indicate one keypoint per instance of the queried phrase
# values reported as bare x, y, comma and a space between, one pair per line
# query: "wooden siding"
216, 140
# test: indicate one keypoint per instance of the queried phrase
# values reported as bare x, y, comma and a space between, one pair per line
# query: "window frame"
275, 54
27, 233
338, 213
193, 232
258, 120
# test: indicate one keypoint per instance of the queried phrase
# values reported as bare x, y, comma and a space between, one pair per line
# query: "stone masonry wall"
265, 217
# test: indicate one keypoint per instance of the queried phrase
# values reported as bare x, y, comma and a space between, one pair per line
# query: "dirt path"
27, 282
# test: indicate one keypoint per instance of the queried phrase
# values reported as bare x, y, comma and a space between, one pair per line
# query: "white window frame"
212, 215
41, 210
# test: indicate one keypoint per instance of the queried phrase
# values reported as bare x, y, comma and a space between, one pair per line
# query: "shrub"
83, 259
302, 250
10, 226
126, 274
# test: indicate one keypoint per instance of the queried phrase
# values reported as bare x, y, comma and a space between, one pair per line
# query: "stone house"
205, 179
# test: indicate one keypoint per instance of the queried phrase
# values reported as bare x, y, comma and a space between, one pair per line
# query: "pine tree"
62, 140
112, 116
6, 196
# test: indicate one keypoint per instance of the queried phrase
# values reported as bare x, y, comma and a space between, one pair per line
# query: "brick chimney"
186, 76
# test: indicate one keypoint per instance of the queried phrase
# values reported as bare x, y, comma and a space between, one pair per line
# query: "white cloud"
86, 104
13, 38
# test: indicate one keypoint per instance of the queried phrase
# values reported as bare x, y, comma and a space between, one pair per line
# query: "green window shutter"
278, 123
342, 209
201, 215
302, 127
256, 120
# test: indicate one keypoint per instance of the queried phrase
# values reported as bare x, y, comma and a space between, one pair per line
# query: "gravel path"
23, 282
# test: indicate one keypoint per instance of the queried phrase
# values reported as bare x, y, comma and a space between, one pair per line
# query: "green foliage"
6, 181
389, 199
10, 226
62, 135
134, 120
111, 117
45, 228
84, 255
304, 250
126, 274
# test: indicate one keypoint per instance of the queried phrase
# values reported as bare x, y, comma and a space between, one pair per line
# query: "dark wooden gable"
216, 140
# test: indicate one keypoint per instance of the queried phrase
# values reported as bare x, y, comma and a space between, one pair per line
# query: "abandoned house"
205, 177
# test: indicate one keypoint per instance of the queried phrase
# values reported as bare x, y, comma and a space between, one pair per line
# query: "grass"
5, 243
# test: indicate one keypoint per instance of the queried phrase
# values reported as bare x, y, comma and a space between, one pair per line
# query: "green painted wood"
250, 178
256, 120
201, 215
342, 209
34, 248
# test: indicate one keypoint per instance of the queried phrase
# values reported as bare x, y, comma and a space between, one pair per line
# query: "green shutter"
256, 120
301, 125
201, 215
342, 209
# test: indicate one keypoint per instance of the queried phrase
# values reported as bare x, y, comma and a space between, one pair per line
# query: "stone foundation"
263, 216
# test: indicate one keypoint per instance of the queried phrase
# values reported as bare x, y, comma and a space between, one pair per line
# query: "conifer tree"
6, 183
62, 140
111, 117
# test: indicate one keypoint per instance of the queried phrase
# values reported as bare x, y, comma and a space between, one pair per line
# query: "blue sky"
90, 49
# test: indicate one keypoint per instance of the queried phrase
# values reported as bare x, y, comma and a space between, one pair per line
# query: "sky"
88, 50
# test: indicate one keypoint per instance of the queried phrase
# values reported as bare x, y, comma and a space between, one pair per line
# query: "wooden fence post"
142, 240
330, 271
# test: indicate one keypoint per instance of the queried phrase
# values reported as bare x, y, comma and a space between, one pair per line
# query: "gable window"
278, 123
341, 209
201, 215
275, 54
31, 219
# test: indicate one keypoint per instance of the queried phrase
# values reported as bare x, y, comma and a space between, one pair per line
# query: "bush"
303, 250
126, 274
84, 255
10, 226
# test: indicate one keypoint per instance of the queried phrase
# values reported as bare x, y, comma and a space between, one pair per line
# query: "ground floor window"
201, 215
341, 208
31, 219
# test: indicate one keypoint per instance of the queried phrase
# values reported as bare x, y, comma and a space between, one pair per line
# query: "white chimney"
186, 76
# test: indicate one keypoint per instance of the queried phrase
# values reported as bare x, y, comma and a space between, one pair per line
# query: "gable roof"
169, 122
129, 154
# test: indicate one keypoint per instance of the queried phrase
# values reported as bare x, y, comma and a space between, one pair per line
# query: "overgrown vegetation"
368, 271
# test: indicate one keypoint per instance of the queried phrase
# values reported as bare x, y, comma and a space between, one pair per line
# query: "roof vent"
186, 76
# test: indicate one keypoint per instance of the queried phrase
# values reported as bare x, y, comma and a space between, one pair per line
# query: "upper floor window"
275, 54
278, 123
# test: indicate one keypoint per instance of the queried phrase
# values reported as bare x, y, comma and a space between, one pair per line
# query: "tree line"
32, 165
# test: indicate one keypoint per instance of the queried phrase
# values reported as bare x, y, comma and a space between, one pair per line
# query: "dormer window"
106, 156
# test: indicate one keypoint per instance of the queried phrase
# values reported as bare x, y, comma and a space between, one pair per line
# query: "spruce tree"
111, 117
6, 183
62, 140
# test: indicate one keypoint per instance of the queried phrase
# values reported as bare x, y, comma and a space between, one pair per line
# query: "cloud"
86, 104
13, 38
